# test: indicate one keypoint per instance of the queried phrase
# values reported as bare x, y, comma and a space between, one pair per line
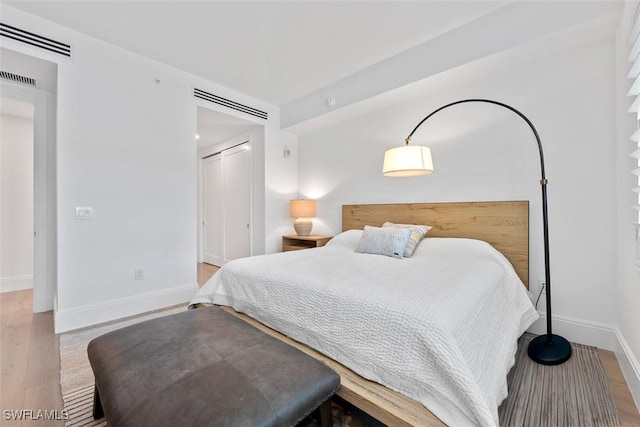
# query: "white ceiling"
275, 51
296, 53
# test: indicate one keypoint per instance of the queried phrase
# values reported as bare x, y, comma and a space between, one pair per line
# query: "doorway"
225, 186
40, 93
16, 195
226, 207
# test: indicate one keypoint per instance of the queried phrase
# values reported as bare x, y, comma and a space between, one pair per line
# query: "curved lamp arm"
488, 101
547, 349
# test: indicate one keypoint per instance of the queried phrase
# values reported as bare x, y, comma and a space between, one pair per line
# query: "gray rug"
75, 371
575, 393
79, 405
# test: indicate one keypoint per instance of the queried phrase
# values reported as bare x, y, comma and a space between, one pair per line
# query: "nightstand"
294, 242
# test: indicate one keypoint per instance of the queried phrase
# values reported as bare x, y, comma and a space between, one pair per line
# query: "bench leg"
326, 419
98, 412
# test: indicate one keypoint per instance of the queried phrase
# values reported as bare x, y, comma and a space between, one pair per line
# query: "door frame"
210, 151
44, 194
219, 260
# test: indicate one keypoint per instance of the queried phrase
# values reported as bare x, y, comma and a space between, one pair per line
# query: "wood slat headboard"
504, 225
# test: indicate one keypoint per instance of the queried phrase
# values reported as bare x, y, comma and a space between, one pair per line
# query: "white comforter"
440, 327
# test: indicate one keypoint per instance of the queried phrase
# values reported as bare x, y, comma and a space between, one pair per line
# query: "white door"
237, 197
213, 215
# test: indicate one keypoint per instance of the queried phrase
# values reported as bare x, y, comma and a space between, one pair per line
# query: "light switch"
84, 213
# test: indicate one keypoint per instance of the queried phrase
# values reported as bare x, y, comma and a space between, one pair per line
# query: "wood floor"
30, 362
205, 271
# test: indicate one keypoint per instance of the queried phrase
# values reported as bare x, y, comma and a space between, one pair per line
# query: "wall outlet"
138, 273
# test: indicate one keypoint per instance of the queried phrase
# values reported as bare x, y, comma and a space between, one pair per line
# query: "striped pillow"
417, 233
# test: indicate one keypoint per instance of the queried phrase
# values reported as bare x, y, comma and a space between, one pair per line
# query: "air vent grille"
34, 39
17, 78
198, 93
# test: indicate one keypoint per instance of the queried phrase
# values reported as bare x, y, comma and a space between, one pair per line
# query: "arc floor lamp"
411, 160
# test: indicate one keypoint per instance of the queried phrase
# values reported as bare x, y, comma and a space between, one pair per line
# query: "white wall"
16, 203
126, 148
281, 186
627, 289
482, 152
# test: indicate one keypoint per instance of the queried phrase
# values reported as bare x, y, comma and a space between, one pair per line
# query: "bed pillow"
417, 233
389, 241
348, 239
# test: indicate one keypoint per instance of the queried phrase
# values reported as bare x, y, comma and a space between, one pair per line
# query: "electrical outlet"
138, 273
541, 285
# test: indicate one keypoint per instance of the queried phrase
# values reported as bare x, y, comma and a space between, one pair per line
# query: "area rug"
75, 371
575, 393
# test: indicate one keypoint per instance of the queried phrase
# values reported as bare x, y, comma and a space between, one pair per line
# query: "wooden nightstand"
294, 242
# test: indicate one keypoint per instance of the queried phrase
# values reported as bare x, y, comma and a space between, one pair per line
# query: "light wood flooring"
30, 361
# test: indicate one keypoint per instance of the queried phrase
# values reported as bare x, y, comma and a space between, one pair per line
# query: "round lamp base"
303, 226
555, 351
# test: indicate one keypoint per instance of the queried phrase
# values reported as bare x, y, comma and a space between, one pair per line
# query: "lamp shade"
302, 208
407, 160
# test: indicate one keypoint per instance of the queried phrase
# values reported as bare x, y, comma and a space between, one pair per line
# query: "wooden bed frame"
505, 225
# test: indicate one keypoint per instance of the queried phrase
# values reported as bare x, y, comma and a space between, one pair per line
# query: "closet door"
213, 203
237, 200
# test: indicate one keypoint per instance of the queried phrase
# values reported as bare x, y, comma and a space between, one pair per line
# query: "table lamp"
302, 210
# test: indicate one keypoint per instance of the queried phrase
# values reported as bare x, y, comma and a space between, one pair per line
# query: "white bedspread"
440, 327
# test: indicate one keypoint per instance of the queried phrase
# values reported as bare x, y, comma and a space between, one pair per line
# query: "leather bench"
204, 367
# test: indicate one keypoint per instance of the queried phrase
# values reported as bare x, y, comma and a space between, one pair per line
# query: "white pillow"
417, 233
389, 241
348, 239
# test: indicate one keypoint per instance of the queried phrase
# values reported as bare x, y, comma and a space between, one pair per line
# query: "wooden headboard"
504, 225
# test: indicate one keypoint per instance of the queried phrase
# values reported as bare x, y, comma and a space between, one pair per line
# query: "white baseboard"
579, 331
16, 283
88, 315
629, 365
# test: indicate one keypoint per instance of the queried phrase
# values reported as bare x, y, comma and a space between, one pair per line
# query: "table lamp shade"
302, 208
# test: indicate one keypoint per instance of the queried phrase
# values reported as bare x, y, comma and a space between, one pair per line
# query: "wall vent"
34, 40
198, 93
17, 78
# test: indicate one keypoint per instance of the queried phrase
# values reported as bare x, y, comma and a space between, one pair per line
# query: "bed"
438, 330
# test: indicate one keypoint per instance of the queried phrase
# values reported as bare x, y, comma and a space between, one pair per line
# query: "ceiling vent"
230, 104
17, 78
34, 40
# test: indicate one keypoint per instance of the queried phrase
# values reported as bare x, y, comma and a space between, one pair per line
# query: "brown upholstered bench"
204, 367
